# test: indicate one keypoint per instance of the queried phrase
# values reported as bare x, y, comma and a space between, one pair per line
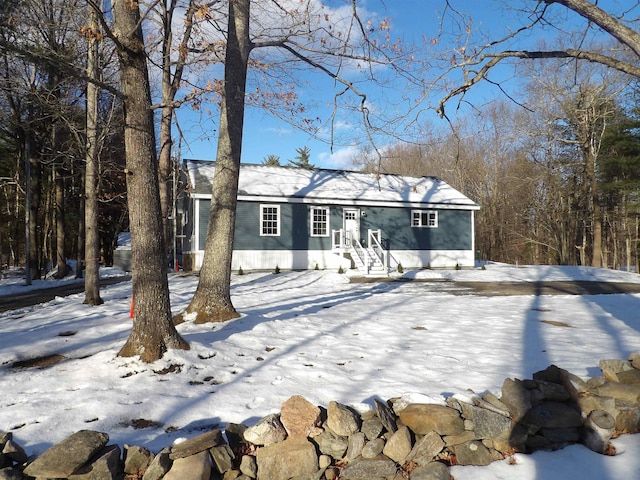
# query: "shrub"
341, 270
458, 267
429, 266
317, 268
400, 269
240, 271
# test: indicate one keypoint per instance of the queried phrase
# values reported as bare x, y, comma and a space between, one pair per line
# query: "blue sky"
266, 135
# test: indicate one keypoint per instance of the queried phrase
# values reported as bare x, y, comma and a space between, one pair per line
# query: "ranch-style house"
297, 218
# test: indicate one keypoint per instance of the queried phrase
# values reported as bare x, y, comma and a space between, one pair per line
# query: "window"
319, 222
424, 218
269, 220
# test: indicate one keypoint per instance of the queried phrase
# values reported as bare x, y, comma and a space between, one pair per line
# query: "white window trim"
420, 214
311, 221
277, 220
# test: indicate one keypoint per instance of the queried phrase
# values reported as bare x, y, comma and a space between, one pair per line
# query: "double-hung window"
319, 221
269, 220
424, 218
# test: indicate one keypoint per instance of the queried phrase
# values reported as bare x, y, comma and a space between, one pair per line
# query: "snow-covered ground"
317, 335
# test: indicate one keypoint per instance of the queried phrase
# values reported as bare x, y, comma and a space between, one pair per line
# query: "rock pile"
393, 441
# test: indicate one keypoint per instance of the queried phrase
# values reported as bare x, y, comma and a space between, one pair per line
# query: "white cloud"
342, 158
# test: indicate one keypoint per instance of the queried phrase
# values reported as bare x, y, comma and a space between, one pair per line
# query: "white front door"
351, 224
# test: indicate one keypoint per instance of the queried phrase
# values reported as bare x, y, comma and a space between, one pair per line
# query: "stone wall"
393, 441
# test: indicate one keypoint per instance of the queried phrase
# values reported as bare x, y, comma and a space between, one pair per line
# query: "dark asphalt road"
34, 297
491, 289
549, 288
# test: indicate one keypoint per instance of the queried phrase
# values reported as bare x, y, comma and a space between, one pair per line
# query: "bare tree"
44, 113
573, 108
172, 76
477, 63
92, 243
483, 156
153, 330
305, 34
212, 299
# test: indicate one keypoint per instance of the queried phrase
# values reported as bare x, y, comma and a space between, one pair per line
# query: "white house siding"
287, 260
302, 260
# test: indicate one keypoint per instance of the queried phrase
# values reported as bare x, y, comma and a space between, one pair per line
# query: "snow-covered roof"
283, 183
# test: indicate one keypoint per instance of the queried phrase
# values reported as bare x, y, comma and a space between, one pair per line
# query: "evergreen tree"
620, 176
271, 160
620, 168
302, 158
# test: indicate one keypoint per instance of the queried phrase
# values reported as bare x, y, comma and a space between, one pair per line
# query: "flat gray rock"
63, 459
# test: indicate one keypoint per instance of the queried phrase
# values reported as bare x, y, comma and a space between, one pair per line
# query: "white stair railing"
361, 254
373, 240
365, 259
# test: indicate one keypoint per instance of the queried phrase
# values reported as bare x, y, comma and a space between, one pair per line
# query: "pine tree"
271, 160
302, 159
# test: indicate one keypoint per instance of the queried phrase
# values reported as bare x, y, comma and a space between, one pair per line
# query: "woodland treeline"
43, 138
557, 176
56, 177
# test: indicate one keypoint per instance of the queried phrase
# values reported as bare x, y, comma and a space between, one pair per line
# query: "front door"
351, 224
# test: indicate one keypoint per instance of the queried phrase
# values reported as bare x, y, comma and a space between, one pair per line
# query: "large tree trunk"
153, 330
212, 300
92, 243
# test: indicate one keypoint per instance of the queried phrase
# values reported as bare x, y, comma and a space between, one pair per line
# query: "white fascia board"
347, 202
354, 202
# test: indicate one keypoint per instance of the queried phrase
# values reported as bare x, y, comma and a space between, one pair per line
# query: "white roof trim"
331, 201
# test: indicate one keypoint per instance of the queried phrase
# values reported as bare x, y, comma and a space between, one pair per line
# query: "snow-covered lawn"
317, 335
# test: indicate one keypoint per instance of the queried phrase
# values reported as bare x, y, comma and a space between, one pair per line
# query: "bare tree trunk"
80, 254
212, 300
597, 260
92, 243
637, 244
35, 243
169, 89
165, 168
166, 119
628, 235
61, 261
153, 330
595, 209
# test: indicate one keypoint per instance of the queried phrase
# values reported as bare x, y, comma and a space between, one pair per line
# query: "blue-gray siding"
453, 232
294, 232
454, 229
203, 221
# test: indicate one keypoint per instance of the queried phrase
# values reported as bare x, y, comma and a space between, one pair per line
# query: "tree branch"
604, 20
494, 59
